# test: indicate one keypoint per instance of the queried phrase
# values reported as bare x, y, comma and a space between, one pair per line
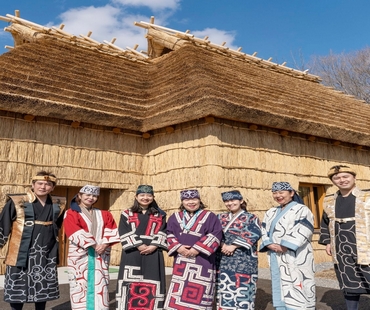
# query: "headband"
339, 169
48, 178
145, 189
90, 189
232, 195
189, 194
281, 186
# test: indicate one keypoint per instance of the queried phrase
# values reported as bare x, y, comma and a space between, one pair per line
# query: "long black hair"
153, 208
297, 198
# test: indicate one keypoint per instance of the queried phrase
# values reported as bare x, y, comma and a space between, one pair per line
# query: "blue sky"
286, 30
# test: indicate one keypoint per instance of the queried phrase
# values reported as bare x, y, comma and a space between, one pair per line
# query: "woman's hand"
142, 247
228, 249
277, 248
148, 250
100, 248
184, 250
192, 253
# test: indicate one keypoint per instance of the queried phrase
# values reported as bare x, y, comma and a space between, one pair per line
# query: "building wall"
218, 157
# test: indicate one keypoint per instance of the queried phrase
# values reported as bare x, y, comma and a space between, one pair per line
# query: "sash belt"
31, 223
344, 220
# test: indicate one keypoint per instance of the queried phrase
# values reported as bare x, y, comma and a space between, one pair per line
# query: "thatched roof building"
186, 114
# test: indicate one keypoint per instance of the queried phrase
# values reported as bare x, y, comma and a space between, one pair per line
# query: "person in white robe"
286, 237
91, 233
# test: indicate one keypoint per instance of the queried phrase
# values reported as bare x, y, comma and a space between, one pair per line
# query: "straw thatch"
79, 84
191, 115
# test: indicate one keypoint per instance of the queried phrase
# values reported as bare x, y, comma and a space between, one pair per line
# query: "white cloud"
217, 36
111, 21
105, 23
154, 5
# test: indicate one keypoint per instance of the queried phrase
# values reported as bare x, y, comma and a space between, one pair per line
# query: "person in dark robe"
345, 227
193, 235
29, 224
237, 259
141, 277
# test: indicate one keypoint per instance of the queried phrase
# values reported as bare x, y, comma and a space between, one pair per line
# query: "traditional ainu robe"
141, 280
346, 225
292, 272
193, 279
88, 271
236, 285
32, 258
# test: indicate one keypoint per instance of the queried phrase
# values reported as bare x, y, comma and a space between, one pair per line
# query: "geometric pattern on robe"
193, 279
292, 272
237, 274
141, 283
353, 278
88, 272
38, 281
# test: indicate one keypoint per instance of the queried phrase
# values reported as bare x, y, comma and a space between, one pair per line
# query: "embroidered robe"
193, 279
292, 272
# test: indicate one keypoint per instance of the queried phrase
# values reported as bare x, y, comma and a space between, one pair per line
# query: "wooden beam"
25, 33
146, 135
115, 46
137, 53
209, 119
311, 138
5, 19
75, 124
166, 40
284, 133
28, 23
68, 35
29, 117
170, 129
87, 38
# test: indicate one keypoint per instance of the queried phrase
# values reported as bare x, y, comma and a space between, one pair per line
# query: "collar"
355, 192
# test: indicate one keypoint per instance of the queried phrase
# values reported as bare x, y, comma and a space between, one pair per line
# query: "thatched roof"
183, 79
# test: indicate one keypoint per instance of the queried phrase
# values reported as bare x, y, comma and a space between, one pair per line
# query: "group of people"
215, 259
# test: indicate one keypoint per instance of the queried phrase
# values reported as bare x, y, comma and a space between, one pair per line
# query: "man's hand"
328, 249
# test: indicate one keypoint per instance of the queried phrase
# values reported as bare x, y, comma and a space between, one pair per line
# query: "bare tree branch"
349, 72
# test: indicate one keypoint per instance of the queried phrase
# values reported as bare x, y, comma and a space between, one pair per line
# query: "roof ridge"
205, 43
33, 32
110, 48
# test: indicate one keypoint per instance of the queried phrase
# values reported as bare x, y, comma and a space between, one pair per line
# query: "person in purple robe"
193, 236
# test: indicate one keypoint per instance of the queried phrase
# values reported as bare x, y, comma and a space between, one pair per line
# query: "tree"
348, 72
